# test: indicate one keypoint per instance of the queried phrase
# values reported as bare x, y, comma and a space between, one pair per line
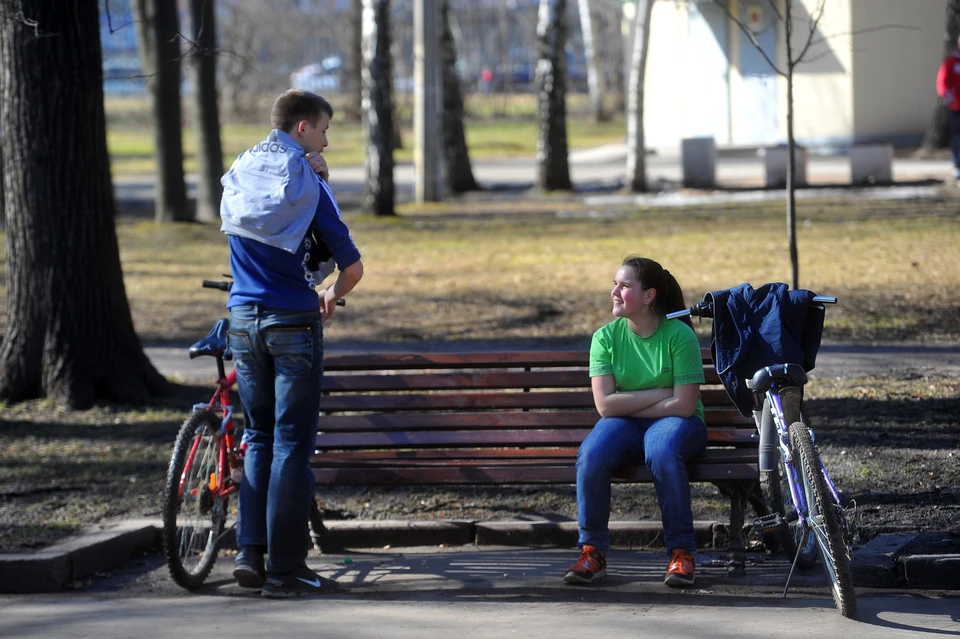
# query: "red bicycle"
205, 470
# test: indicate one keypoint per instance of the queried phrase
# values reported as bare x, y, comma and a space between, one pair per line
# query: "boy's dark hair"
651, 275
295, 105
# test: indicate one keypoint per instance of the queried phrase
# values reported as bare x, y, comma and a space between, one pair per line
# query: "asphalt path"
603, 169
495, 593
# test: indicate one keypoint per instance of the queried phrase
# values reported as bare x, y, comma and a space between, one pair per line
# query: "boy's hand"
319, 165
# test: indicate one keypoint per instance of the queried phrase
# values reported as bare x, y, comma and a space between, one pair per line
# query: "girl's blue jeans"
278, 357
665, 445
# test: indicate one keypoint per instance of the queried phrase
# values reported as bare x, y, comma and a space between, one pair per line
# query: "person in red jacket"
948, 88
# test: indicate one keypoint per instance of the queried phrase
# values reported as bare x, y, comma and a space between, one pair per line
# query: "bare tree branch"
815, 20
747, 31
110, 19
776, 9
846, 34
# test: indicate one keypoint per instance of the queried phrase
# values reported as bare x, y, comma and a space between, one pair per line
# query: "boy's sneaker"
248, 567
682, 568
592, 566
299, 583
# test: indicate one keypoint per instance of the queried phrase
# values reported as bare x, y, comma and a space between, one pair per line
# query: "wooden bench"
498, 418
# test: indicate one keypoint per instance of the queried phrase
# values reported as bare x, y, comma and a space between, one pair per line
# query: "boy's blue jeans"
665, 444
278, 356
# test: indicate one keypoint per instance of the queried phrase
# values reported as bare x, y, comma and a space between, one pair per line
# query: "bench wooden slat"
474, 401
466, 381
714, 418
457, 381
469, 474
426, 361
494, 438
401, 458
479, 359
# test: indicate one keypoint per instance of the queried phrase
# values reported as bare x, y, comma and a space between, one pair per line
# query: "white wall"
823, 82
871, 75
666, 106
896, 53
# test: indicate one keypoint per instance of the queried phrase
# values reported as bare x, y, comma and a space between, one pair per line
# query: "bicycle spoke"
825, 520
194, 510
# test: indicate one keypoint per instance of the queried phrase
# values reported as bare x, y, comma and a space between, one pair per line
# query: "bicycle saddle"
215, 343
763, 379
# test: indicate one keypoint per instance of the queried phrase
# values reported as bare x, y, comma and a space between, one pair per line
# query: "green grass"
495, 132
485, 267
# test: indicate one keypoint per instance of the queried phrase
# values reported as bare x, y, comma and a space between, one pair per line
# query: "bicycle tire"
194, 519
776, 493
825, 520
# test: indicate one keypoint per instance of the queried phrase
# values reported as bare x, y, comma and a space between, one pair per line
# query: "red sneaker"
681, 570
589, 568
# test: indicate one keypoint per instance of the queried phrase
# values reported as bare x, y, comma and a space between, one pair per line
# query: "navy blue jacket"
757, 328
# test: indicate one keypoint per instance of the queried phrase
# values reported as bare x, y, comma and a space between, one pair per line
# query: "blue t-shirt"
276, 278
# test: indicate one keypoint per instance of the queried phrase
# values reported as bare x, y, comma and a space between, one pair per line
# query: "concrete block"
527, 533
775, 166
376, 533
99, 550
932, 571
699, 160
875, 564
871, 163
44, 571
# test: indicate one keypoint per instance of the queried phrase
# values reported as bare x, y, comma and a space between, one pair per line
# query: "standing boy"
274, 205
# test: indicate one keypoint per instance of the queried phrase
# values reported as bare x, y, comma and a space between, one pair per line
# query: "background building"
869, 76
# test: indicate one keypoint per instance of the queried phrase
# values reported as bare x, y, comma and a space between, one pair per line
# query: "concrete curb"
79, 557
884, 562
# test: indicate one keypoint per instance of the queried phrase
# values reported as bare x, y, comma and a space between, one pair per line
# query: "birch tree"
352, 82
596, 78
206, 120
553, 167
158, 40
377, 109
458, 173
636, 155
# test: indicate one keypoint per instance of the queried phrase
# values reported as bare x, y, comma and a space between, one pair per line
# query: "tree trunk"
553, 164
69, 334
615, 62
3, 208
158, 40
206, 119
352, 83
636, 151
938, 132
596, 81
791, 152
458, 171
377, 108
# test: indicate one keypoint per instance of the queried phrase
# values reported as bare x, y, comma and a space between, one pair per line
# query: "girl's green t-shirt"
670, 357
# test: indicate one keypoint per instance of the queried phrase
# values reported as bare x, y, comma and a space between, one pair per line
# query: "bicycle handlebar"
225, 286
705, 309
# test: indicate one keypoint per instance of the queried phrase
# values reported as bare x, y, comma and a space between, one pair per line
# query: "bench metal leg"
738, 493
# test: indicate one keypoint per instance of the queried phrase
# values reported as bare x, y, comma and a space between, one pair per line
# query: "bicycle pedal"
768, 523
